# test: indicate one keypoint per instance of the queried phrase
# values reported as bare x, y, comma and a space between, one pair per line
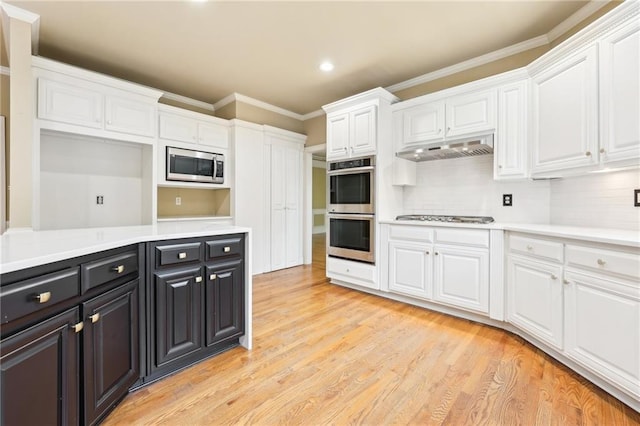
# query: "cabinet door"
68, 103
39, 373
511, 136
410, 268
534, 295
213, 135
178, 128
602, 320
111, 362
363, 133
178, 314
461, 277
224, 298
565, 114
422, 123
337, 136
131, 116
471, 114
286, 195
620, 94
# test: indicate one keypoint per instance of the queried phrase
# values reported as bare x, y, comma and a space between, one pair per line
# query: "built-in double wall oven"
351, 208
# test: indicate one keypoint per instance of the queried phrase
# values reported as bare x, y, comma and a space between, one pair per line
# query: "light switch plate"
507, 200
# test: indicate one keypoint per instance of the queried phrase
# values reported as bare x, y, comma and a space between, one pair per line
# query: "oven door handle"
349, 216
353, 171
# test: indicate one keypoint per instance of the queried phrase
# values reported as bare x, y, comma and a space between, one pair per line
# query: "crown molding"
313, 114
31, 18
580, 15
188, 101
5, 70
471, 63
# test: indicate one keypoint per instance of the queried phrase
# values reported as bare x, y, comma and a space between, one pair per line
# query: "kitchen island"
88, 314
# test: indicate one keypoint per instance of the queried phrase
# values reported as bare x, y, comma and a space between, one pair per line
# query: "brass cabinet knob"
212, 277
198, 279
566, 281
182, 255
601, 262
554, 277
588, 153
436, 253
78, 327
95, 317
43, 297
427, 252
602, 151
118, 269
226, 249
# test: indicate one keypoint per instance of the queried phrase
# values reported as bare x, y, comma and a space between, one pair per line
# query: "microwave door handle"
215, 168
350, 171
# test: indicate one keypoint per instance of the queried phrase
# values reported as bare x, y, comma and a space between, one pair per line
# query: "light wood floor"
324, 354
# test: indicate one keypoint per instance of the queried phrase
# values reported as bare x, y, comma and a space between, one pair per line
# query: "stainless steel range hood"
443, 150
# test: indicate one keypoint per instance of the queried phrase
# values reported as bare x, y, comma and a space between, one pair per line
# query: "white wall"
603, 200
465, 186
74, 170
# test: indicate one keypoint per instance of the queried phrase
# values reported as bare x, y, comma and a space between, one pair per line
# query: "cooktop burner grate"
443, 218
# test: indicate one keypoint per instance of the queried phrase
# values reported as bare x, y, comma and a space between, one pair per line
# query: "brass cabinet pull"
566, 281
213, 277
602, 150
43, 297
78, 327
588, 153
601, 262
182, 255
95, 317
427, 252
226, 249
436, 253
198, 279
554, 277
118, 269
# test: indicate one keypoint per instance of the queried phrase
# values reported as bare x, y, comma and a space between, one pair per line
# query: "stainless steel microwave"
186, 165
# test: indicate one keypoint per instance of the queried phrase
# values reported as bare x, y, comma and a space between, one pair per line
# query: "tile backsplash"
603, 200
465, 186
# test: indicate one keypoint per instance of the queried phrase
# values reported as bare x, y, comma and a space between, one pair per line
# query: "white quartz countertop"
600, 235
25, 249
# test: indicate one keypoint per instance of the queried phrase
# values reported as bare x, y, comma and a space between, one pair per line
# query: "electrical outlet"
636, 197
178, 201
100, 199
507, 200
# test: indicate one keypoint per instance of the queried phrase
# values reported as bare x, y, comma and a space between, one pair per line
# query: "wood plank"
327, 354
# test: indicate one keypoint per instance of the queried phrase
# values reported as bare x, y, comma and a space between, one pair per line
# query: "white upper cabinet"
127, 115
510, 149
471, 114
620, 94
586, 99
193, 128
422, 123
68, 103
77, 101
459, 116
353, 124
565, 113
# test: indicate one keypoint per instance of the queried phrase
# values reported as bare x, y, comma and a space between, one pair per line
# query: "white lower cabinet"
461, 277
584, 301
455, 273
535, 298
602, 327
410, 268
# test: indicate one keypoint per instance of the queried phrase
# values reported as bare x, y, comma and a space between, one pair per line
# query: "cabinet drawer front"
354, 272
466, 237
413, 233
102, 271
542, 249
178, 253
607, 261
224, 248
26, 297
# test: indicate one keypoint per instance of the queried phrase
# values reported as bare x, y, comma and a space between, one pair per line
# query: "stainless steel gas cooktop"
451, 219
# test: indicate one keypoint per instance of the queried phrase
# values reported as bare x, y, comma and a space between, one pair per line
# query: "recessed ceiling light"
326, 66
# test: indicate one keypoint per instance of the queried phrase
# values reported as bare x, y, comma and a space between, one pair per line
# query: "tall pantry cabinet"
268, 196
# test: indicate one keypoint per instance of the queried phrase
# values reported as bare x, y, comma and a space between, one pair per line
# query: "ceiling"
271, 50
